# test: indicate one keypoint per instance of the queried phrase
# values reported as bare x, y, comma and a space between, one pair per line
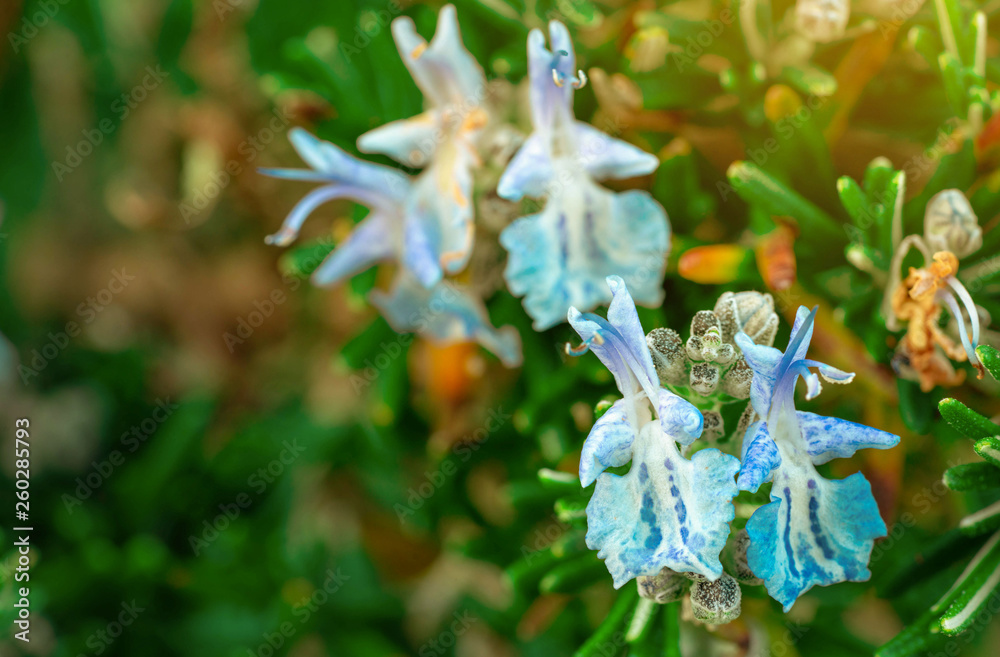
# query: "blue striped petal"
815, 532
560, 257
609, 443
760, 457
667, 512
829, 438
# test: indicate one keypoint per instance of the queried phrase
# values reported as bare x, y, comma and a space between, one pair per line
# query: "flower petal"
447, 314
370, 242
829, 438
606, 157
759, 459
410, 142
667, 512
679, 418
814, 532
550, 102
609, 443
560, 257
529, 171
444, 70
763, 360
619, 340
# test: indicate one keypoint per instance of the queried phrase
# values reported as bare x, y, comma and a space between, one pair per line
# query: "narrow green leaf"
990, 358
966, 421
915, 406
954, 83
925, 43
574, 574
974, 589
854, 201
759, 188
560, 482
989, 449
982, 521
602, 642
573, 508
972, 476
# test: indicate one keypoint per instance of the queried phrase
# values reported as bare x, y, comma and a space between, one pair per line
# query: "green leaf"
561, 482
982, 521
954, 83
989, 449
972, 476
966, 421
603, 642
925, 43
974, 588
759, 188
574, 574
854, 200
990, 358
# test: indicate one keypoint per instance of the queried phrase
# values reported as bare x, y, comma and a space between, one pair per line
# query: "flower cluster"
669, 516
425, 224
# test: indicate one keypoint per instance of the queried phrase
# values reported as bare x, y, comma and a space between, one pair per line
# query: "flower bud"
668, 354
951, 225
750, 312
718, 602
666, 586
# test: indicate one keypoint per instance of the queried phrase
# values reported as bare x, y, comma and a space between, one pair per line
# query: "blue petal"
609, 443
560, 257
814, 532
444, 70
831, 438
606, 157
763, 360
446, 314
380, 188
374, 181
551, 104
679, 418
667, 512
529, 172
411, 142
619, 340
370, 242
759, 459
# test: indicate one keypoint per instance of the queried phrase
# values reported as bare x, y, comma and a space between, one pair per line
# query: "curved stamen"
956, 312
970, 306
584, 346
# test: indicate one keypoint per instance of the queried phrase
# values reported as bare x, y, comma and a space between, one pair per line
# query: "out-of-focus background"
238, 463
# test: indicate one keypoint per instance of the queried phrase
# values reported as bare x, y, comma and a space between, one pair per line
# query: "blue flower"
815, 531
667, 511
559, 257
442, 139
419, 301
